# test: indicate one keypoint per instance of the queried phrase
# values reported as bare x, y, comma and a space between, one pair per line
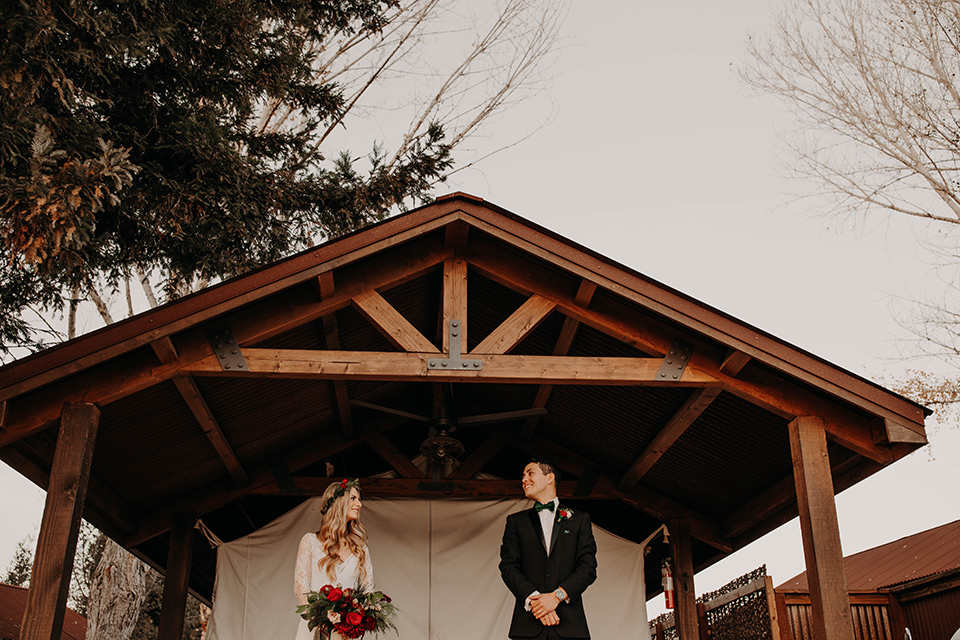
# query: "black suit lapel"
538, 530
556, 529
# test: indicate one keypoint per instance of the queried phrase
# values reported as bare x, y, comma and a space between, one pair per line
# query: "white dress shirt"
547, 519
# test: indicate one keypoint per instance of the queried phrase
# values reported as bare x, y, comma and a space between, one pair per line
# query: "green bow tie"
541, 506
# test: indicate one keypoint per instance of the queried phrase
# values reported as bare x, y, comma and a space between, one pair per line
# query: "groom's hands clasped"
543, 606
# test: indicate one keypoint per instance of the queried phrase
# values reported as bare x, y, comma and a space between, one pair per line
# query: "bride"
337, 554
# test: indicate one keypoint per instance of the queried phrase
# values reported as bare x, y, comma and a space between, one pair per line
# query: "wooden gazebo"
229, 405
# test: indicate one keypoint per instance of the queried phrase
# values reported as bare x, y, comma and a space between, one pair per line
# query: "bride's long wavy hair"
336, 531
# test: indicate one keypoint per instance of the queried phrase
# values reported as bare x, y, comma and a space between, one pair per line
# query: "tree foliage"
875, 89
132, 139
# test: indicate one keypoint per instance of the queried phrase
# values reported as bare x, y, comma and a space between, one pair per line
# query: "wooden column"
176, 580
685, 613
829, 598
60, 525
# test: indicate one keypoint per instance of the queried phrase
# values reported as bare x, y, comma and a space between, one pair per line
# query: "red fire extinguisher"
666, 572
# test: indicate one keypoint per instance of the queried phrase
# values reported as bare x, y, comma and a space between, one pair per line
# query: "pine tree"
130, 142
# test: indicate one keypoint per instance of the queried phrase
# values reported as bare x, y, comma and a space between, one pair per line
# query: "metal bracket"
227, 350
675, 362
454, 361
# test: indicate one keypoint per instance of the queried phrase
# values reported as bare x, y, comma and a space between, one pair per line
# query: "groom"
548, 558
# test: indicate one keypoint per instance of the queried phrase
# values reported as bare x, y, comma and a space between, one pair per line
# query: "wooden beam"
384, 248
889, 432
103, 507
782, 494
688, 413
331, 340
389, 452
4, 415
684, 311
401, 366
562, 348
685, 614
515, 328
57, 543
165, 349
258, 321
640, 498
425, 488
476, 460
176, 580
217, 494
820, 531
454, 301
772, 392
391, 324
211, 428
733, 362
456, 234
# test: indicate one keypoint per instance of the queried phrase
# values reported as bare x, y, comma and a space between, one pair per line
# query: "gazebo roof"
656, 406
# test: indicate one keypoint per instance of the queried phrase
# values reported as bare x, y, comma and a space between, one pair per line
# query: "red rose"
343, 483
334, 594
369, 623
326, 589
353, 618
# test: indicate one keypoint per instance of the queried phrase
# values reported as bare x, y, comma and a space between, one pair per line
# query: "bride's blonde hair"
336, 531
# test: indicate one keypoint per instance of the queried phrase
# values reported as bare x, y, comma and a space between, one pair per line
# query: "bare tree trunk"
72, 317
117, 593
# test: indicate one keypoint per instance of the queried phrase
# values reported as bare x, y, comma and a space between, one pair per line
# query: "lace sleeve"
368, 565
301, 574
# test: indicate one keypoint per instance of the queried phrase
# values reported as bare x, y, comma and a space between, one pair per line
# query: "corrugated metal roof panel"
923, 554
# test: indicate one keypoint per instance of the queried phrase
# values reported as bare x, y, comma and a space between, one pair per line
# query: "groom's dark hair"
547, 468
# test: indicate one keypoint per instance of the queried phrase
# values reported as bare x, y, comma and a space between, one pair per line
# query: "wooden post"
829, 598
176, 580
772, 607
57, 543
685, 613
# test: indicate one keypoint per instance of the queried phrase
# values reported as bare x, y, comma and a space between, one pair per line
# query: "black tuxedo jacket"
526, 567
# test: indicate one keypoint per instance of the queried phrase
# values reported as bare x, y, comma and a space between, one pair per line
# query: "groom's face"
536, 485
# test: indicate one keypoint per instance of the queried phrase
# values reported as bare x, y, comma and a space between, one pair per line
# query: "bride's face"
354, 506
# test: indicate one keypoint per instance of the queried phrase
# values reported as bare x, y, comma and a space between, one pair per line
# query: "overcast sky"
657, 159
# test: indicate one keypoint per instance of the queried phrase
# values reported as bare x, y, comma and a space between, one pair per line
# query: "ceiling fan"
440, 445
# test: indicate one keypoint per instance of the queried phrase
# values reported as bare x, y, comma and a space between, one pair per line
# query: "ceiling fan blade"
506, 416
396, 412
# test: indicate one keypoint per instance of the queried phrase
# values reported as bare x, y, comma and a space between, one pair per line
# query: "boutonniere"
564, 514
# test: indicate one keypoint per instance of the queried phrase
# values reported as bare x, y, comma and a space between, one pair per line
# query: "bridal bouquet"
349, 612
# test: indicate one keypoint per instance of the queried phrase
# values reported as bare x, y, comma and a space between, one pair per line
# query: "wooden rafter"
104, 508
564, 341
685, 416
402, 366
454, 301
217, 494
259, 321
733, 362
394, 457
767, 390
391, 323
640, 498
211, 428
427, 489
515, 328
331, 340
472, 465
167, 353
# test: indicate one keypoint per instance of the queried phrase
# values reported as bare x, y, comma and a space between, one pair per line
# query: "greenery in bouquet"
349, 612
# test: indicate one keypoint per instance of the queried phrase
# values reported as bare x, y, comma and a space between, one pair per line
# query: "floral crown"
345, 485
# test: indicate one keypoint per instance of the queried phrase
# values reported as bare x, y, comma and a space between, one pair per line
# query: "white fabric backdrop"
436, 558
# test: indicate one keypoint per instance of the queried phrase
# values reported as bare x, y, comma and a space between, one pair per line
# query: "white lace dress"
308, 576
